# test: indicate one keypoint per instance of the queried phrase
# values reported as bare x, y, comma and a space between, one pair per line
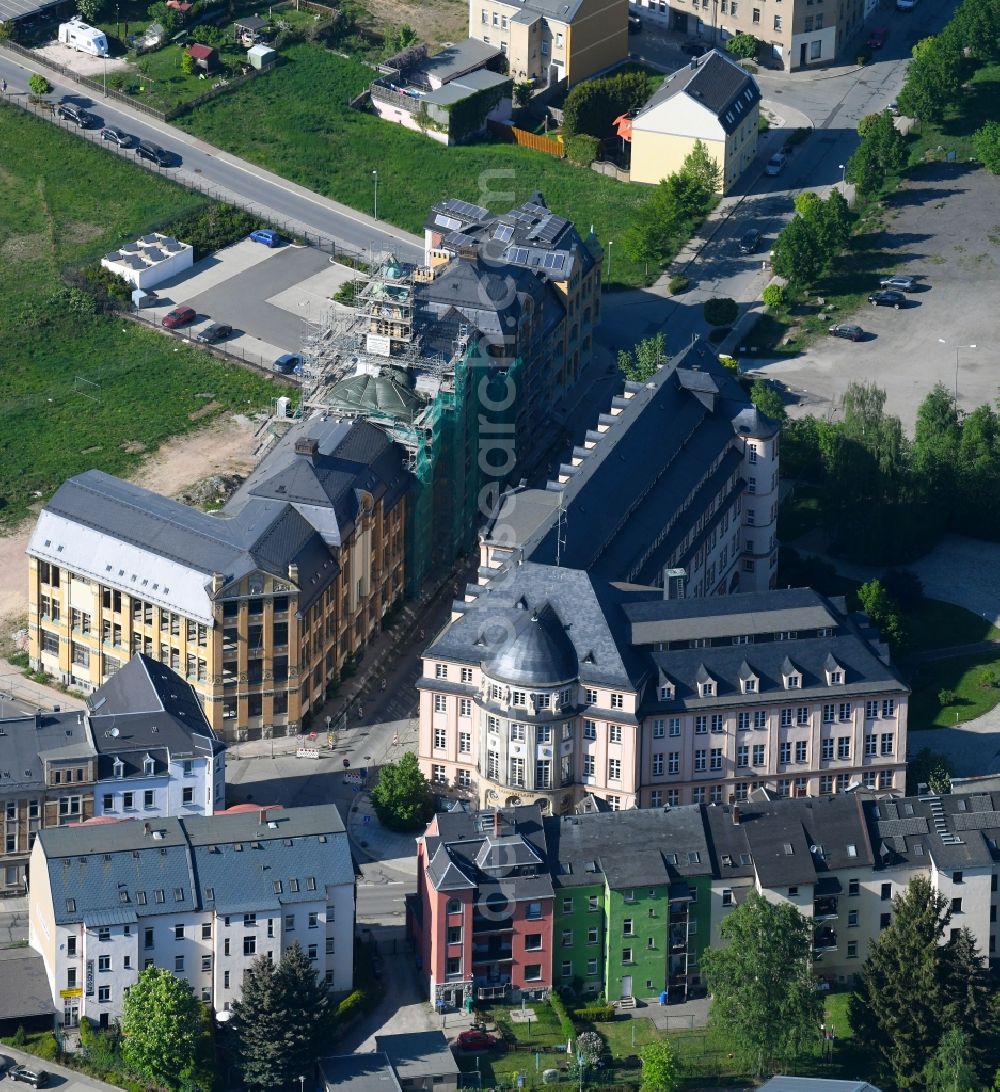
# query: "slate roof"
24, 986
687, 413
232, 863
538, 651
26, 742
293, 509
146, 707
774, 838
629, 848
359, 1073
464, 852
958, 831
417, 1054
715, 82
459, 58
814, 1084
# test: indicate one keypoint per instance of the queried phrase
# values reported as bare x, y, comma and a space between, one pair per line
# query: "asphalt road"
66, 1080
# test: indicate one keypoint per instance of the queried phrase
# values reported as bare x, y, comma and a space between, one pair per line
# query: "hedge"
591, 1014
565, 1023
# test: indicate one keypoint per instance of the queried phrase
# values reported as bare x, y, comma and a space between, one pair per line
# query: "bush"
582, 149
592, 106
46, 1046
763, 123
720, 311
565, 1023
20, 1037
347, 292
354, 1004
39, 85
678, 284
742, 45
18, 659
591, 1014
798, 136
774, 296
214, 228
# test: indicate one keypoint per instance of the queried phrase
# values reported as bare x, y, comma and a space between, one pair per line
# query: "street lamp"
118, 32
611, 243
375, 177
843, 176
302, 1083
958, 349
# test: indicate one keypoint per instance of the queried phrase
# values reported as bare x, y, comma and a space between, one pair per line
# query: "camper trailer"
87, 39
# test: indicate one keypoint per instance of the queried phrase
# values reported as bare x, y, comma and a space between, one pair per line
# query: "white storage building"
150, 260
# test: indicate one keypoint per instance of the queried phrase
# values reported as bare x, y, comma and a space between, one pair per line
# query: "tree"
402, 797
592, 106
933, 80
950, 1068
767, 400
764, 996
775, 296
797, 255
89, 9
522, 92
646, 239
161, 1028
703, 169
986, 142
659, 1067
742, 45
895, 1012
969, 1002
591, 1047
720, 311
187, 64
282, 1021
644, 361
39, 85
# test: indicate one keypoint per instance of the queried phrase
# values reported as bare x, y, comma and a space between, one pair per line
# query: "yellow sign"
78, 992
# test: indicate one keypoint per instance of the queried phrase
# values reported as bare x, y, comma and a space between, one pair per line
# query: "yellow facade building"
713, 100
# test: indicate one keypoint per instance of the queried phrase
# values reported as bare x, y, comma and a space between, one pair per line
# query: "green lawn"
961, 676
296, 121
934, 624
161, 83
954, 133
77, 390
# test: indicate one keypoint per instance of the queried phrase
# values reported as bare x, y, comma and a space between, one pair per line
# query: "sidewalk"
374, 841
15, 687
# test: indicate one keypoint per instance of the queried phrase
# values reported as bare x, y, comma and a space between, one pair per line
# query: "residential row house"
142, 747
637, 897
258, 606
201, 897
550, 42
548, 685
793, 34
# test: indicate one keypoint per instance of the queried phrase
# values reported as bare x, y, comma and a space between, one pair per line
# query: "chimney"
262, 816
736, 815
79, 718
293, 573
147, 830
496, 823
306, 445
218, 579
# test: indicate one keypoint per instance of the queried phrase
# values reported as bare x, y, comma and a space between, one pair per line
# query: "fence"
610, 169
549, 145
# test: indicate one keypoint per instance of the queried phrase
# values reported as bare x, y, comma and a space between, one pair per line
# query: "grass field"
934, 624
296, 121
962, 676
79, 390
954, 133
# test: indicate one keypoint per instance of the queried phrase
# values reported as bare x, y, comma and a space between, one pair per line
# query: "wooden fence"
521, 137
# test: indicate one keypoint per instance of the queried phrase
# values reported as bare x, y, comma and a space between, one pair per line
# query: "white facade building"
150, 260
201, 897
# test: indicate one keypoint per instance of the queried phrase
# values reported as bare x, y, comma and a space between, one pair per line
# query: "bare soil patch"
435, 21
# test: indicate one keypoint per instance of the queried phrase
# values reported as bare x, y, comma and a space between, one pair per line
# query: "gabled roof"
27, 742
714, 81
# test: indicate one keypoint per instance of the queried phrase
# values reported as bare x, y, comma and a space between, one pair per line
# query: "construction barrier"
307, 752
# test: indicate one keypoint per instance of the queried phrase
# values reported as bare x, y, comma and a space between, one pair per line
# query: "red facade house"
482, 915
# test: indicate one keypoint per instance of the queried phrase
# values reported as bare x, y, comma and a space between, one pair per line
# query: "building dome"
538, 654
381, 395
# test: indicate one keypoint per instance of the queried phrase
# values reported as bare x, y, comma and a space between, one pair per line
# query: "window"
843, 747
331, 948
440, 739
743, 722
957, 877
614, 769
826, 785
777, 22
187, 794
844, 710
627, 955
828, 712
628, 927
591, 966
178, 932
104, 963
715, 758
567, 905
756, 19
658, 729
956, 906
871, 744
885, 779
588, 765
785, 753
206, 930
465, 742
700, 725
614, 733
743, 755
718, 722
854, 887
886, 743
801, 748
534, 912
700, 761
826, 749
543, 774
885, 921
440, 703
440, 671
103, 994
567, 968
149, 798
852, 919
675, 726
533, 972
889, 707
589, 696
593, 902
533, 942
589, 729
617, 701
886, 892
249, 945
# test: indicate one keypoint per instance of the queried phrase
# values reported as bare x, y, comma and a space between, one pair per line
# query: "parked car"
5, 1064
877, 37
749, 241
218, 331
893, 109
289, 364
37, 1078
146, 149
847, 330
75, 114
776, 164
265, 236
634, 23
477, 1040
901, 284
117, 136
179, 316
905, 5
694, 47
887, 299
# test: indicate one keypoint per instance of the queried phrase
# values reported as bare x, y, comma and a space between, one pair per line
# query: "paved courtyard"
943, 227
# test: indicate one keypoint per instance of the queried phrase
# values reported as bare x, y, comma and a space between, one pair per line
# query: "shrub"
215, 227
20, 1036
117, 81
39, 85
742, 45
774, 296
565, 1023
45, 1046
347, 292
720, 311
18, 659
763, 123
988, 678
678, 284
798, 136
592, 106
730, 363
946, 698
590, 1014
354, 1004
866, 123
582, 149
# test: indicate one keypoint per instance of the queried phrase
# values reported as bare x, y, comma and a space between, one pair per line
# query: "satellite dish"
115, 733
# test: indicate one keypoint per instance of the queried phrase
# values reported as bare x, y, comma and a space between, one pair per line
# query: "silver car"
901, 284
776, 164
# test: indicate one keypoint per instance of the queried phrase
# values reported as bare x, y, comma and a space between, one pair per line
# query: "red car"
179, 316
877, 37
477, 1040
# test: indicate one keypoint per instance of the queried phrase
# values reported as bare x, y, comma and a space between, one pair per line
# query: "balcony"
492, 953
825, 940
481, 926
825, 910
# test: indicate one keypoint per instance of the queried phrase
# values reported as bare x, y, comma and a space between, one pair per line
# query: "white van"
80, 36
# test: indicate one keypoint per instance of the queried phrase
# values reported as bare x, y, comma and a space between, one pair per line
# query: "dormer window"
707, 689
667, 692
148, 766
793, 682
749, 686
836, 678
119, 768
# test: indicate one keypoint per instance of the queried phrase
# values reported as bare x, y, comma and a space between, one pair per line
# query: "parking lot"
271, 298
943, 227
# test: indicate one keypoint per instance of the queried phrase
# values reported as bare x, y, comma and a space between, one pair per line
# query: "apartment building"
48, 770
199, 896
794, 34
258, 607
482, 914
157, 753
550, 41
549, 684
713, 100
676, 484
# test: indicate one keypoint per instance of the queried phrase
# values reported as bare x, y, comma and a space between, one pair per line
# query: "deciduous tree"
402, 796
764, 996
986, 142
767, 400
161, 1028
659, 1067
644, 361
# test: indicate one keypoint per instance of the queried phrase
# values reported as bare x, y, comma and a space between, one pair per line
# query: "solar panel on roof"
503, 232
